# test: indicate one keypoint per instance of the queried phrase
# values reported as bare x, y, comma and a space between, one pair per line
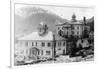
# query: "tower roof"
74, 16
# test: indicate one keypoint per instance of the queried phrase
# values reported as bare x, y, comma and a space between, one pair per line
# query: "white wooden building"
39, 45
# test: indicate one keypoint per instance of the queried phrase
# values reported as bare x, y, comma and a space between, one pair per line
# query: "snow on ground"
67, 59
64, 59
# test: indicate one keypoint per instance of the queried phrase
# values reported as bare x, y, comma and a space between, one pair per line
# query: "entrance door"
34, 52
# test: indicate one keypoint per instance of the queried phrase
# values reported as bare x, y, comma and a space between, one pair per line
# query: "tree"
86, 34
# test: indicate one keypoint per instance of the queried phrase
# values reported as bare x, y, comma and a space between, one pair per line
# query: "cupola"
42, 28
74, 17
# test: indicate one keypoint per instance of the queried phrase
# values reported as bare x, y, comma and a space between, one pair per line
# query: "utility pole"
54, 47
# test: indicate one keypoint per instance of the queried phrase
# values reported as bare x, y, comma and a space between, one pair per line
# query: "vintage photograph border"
12, 22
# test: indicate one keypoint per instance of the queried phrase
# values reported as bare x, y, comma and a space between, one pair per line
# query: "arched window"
60, 32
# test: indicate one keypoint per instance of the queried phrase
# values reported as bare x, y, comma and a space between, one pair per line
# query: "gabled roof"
64, 23
36, 36
70, 23
77, 22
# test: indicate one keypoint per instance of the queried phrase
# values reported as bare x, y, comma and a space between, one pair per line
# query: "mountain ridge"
29, 23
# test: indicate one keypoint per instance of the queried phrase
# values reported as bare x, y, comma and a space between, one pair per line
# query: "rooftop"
36, 36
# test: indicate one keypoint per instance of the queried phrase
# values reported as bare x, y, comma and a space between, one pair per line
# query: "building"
61, 45
39, 45
73, 28
63, 29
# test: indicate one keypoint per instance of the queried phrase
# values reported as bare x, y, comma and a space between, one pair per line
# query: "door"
34, 52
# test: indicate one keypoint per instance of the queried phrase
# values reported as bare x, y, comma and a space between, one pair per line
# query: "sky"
64, 12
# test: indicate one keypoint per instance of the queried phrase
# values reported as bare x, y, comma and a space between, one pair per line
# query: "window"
63, 51
77, 27
63, 43
59, 48
27, 51
58, 43
73, 27
26, 43
42, 52
77, 32
47, 52
60, 32
36, 43
32, 44
72, 32
43, 44
49, 44
66, 32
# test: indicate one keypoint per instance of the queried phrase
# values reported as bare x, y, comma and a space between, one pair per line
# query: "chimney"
84, 20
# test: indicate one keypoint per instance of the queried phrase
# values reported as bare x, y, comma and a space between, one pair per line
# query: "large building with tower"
73, 28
